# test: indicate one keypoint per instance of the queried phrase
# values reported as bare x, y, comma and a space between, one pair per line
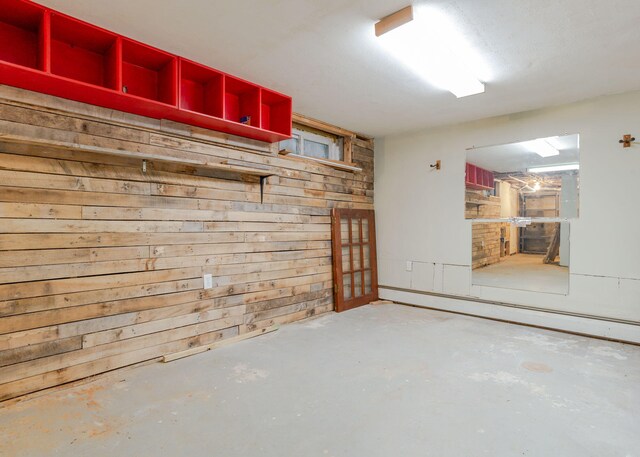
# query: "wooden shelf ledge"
224, 166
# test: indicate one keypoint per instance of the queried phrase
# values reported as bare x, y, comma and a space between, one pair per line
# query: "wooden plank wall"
101, 263
485, 238
485, 243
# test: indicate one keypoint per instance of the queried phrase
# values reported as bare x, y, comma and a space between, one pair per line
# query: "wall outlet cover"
409, 266
208, 281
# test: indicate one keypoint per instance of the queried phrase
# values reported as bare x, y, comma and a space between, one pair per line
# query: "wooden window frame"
332, 142
348, 138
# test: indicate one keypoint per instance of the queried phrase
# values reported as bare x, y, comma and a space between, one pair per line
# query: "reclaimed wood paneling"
101, 263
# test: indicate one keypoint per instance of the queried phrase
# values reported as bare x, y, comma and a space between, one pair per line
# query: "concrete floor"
524, 272
378, 381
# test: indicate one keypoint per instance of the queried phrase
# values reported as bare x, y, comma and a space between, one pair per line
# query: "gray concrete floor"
524, 272
378, 381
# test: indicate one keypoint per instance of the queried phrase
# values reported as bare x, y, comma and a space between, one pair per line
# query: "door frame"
336, 247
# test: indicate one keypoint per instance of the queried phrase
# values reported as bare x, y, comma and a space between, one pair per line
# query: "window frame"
309, 125
334, 144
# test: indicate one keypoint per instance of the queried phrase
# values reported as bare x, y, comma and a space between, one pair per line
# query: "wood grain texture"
101, 264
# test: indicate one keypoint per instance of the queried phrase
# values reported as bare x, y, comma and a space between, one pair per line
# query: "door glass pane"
344, 230
367, 282
366, 256
346, 256
356, 258
346, 279
365, 230
355, 230
357, 281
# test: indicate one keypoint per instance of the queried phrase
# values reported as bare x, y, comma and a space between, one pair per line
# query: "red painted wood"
46, 51
149, 73
478, 178
201, 89
241, 99
20, 25
276, 111
82, 52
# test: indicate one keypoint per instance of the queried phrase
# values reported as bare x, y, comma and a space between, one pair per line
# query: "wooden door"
355, 271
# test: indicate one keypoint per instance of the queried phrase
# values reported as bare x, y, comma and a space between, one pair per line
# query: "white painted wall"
506, 211
509, 207
568, 209
420, 212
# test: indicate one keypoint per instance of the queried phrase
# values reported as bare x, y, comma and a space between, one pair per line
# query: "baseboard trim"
586, 325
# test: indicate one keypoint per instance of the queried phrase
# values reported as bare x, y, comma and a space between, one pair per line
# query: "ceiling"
518, 157
325, 55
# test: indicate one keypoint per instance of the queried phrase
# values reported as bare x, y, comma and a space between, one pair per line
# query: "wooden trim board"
394, 20
218, 344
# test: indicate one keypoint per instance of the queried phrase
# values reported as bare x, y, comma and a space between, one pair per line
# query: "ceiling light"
427, 42
567, 167
536, 186
542, 148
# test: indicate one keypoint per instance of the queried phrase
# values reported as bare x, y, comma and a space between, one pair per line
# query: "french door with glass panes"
355, 272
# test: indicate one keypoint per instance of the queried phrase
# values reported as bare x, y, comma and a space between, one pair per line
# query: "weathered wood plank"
36, 351
101, 262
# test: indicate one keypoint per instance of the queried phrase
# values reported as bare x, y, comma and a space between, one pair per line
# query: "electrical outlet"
409, 266
208, 281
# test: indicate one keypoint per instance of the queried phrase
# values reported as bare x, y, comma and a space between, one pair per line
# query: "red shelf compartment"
478, 178
276, 111
201, 89
148, 72
85, 53
23, 34
241, 100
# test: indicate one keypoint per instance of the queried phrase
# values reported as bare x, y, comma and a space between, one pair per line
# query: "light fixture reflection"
567, 167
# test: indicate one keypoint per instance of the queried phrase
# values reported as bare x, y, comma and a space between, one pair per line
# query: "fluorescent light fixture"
427, 42
541, 147
567, 167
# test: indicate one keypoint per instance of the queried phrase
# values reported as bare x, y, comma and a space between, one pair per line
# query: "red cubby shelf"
201, 89
275, 111
149, 73
478, 178
83, 53
23, 34
49, 52
241, 100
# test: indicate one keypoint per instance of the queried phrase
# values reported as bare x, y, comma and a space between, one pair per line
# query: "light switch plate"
409, 266
208, 281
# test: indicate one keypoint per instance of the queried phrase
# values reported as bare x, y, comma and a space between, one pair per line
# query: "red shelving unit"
49, 52
201, 89
478, 178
